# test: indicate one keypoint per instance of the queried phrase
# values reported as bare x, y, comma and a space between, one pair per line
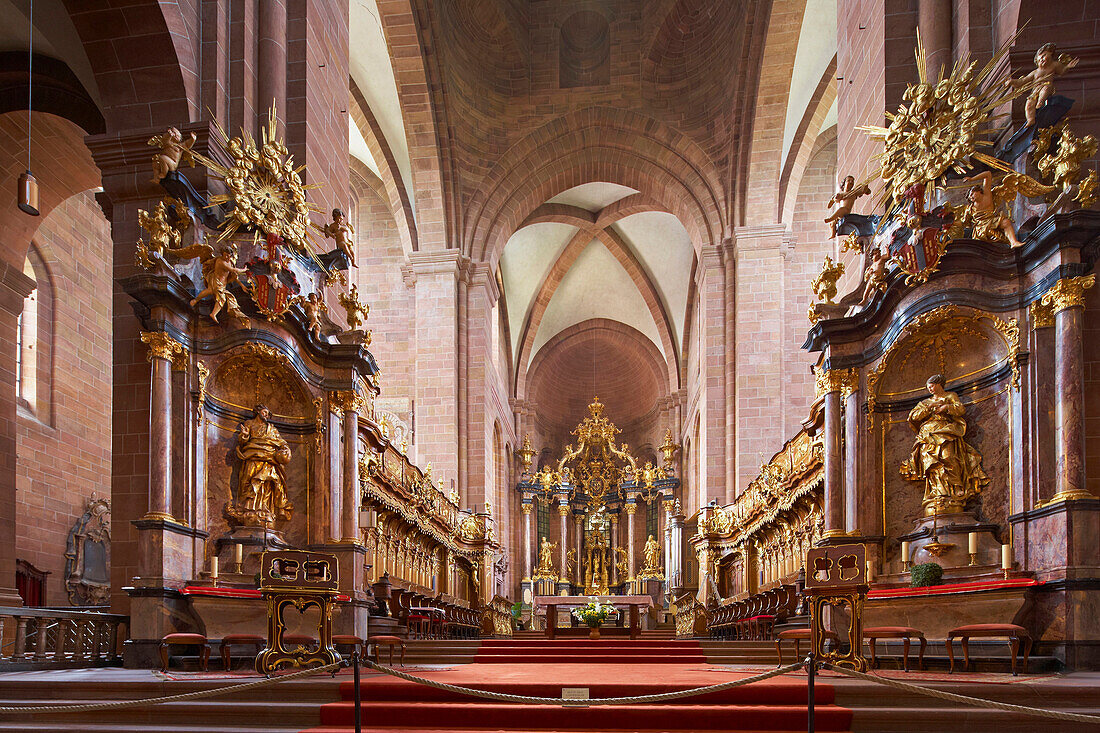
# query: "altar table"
551, 603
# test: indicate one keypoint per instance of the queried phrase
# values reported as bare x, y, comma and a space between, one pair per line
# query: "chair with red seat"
183, 639
905, 633
231, 640
1014, 633
797, 636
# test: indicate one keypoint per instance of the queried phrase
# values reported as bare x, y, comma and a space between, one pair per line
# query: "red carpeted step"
768, 692
618, 717
592, 659
367, 729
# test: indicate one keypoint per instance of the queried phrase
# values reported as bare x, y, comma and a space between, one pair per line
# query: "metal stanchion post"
358, 694
811, 667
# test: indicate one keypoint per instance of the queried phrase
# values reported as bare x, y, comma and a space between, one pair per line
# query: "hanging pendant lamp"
28, 186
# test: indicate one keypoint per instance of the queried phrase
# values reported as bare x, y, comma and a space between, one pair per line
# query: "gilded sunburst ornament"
265, 190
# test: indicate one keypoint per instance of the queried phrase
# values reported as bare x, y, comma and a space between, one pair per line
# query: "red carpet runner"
581, 650
390, 704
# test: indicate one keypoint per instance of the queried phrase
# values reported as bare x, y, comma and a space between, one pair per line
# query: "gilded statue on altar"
261, 498
545, 568
950, 467
651, 553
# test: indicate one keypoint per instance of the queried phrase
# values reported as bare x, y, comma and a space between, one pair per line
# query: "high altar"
596, 482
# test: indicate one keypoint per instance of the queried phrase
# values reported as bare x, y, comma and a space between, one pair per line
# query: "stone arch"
596, 144
148, 76
644, 372
805, 139
621, 252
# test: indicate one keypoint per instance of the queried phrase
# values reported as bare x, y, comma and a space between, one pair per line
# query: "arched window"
33, 365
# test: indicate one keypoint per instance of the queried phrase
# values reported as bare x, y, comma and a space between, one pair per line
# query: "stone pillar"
526, 507
675, 560
271, 61
14, 288
717, 473
563, 512
829, 384
335, 492
162, 348
631, 508
1067, 299
934, 24
850, 393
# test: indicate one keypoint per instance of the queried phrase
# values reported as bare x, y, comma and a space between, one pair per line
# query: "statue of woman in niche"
261, 489
950, 467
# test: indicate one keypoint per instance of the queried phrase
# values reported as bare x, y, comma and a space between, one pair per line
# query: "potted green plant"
593, 614
925, 574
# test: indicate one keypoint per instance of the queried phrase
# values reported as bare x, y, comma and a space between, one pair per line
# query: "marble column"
850, 393
1067, 299
335, 475
614, 544
563, 512
351, 402
578, 538
631, 507
162, 348
527, 508
829, 383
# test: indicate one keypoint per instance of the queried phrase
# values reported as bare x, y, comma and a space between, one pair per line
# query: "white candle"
214, 567
870, 571
238, 554
905, 551
1006, 557
973, 543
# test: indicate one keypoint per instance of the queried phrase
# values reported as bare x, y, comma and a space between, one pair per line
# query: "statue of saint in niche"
950, 467
261, 489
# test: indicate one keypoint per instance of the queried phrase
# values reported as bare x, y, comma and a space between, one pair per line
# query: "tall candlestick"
214, 569
905, 555
1006, 558
870, 571
972, 543
238, 556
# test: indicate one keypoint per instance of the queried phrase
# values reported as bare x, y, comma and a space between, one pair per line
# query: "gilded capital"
161, 345
563, 509
845, 381
1069, 292
631, 508
1042, 315
347, 400
525, 508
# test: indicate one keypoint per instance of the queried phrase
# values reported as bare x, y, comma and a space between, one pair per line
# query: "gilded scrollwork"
161, 345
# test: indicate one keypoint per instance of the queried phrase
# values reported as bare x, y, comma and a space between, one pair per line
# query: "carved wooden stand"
300, 579
836, 576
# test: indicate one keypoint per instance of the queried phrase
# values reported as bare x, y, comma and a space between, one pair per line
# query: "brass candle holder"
906, 565
973, 558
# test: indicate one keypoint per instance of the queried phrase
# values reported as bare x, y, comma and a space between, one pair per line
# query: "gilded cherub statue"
987, 212
173, 152
357, 312
340, 230
218, 270
949, 466
314, 306
1061, 163
824, 284
843, 201
874, 275
1048, 64
163, 236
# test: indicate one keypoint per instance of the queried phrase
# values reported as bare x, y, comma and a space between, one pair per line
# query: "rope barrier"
117, 704
638, 699
965, 700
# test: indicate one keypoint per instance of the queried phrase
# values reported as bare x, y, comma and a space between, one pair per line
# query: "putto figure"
1048, 64
843, 201
314, 306
173, 152
949, 466
218, 270
261, 490
340, 230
